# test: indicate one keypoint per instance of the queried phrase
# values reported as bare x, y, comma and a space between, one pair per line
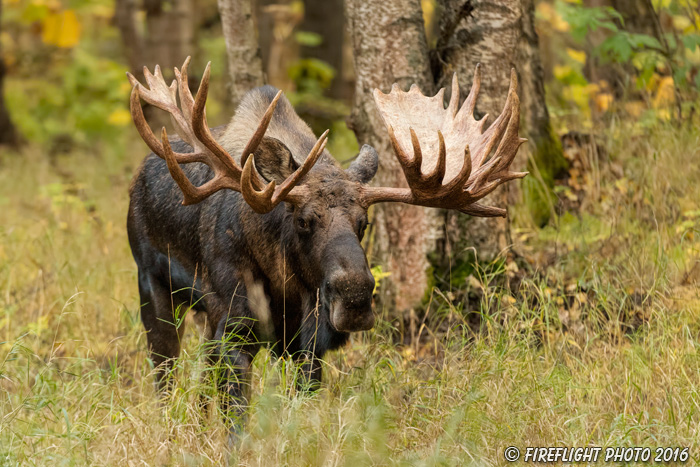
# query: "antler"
190, 122
450, 144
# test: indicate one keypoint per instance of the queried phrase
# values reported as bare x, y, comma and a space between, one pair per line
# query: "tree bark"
326, 18
243, 51
169, 33
488, 36
132, 42
168, 40
8, 134
500, 35
390, 47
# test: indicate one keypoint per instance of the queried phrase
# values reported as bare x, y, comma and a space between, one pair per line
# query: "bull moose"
266, 206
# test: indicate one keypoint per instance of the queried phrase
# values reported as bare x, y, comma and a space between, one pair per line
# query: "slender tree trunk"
168, 40
243, 51
264, 24
8, 134
170, 33
326, 18
390, 47
132, 42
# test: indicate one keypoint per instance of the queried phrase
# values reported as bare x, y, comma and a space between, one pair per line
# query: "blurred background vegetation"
65, 63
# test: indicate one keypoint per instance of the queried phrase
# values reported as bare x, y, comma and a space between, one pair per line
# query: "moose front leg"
232, 350
163, 333
317, 337
311, 372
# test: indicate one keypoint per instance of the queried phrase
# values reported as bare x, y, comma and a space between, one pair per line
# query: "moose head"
448, 160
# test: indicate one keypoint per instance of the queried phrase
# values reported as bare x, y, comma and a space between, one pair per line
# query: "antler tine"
255, 140
510, 142
482, 174
186, 99
459, 133
453, 106
485, 190
411, 166
438, 174
505, 128
404, 160
192, 194
260, 201
479, 210
257, 137
271, 195
461, 179
417, 161
188, 189
140, 120
201, 130
286, 187
512, 176
470, 102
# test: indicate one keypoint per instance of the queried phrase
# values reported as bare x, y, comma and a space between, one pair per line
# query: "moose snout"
349, 294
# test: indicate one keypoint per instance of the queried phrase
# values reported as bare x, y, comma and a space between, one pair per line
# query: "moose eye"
303, 225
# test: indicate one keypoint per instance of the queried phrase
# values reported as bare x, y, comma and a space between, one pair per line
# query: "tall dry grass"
598, 347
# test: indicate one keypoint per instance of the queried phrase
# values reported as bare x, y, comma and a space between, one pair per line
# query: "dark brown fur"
307, 259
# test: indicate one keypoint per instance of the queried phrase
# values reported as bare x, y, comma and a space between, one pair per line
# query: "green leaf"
691, 41
308, 39
644, 40
584, 20
616, 48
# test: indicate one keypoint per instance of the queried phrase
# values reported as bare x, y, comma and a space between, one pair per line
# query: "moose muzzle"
347, 290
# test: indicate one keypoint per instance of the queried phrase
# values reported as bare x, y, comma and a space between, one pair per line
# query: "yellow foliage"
653, 82
561, 71
682, 23
7, 44
578, 55
547, 12
61, 29
39, 326
102, 11
665, 95
120, 117
602, 101
428, 7
664, 114
580, 95
635, 108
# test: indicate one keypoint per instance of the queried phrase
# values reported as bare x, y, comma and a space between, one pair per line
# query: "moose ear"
274, 160
364, 167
